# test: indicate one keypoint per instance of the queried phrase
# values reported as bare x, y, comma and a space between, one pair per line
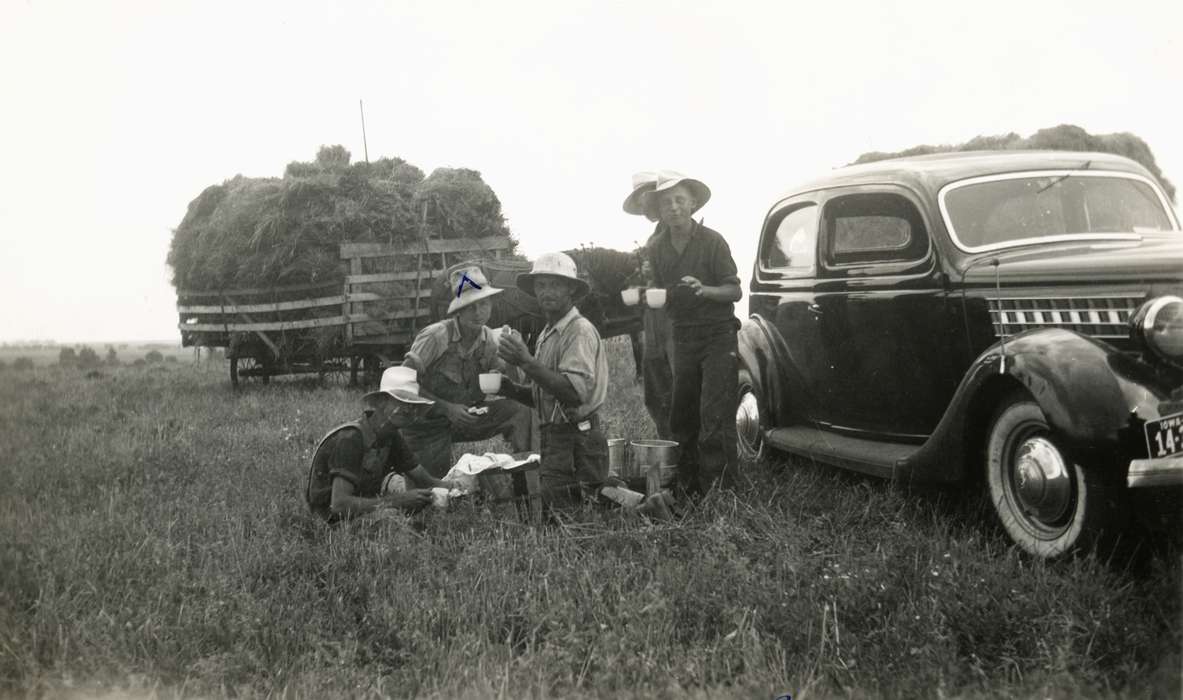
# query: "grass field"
154, 542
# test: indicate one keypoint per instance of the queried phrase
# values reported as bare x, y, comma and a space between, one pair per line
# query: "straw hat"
669, 179
469, 285
643, 184
555, 265
400, 383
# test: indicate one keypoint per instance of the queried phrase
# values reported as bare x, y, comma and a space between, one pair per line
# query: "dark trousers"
574, 462
658, 370
431, 438
702, 417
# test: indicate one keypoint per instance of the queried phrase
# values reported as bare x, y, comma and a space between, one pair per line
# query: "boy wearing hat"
695, 266
450, 355
352, 462
569, 382
658, 349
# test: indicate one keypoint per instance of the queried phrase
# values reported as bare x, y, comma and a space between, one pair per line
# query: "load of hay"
1065, 137
276, 233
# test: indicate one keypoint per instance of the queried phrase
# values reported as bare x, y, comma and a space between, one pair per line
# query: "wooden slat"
434, 245
382, 277
384, 339
389, 316
183, 293
263, 308
264, 325
373, 296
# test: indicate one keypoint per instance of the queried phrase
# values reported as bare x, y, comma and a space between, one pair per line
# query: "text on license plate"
1164, 437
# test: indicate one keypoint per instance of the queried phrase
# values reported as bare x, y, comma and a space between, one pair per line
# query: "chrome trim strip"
1048, 239
1164, 471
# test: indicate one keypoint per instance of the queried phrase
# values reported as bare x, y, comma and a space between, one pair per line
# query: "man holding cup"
658, 349
457, 362
693, 264
568, 383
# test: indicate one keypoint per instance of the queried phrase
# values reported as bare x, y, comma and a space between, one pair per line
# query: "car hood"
1153, 259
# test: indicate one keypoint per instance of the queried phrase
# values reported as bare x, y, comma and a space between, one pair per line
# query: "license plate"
1164, 437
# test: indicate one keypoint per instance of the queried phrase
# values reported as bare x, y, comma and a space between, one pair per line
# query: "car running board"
866, 456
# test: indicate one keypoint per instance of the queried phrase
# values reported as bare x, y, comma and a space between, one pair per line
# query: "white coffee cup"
655, 298
630, 296
439, 497
490, 382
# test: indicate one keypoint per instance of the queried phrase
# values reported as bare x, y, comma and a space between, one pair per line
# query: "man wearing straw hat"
658, 349
450, 356
352, 463
568, 383
694, 264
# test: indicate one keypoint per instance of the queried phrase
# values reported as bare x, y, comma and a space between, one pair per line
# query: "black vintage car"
1011, 320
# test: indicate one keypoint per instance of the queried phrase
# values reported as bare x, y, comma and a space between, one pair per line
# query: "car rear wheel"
1046, 503
749, 426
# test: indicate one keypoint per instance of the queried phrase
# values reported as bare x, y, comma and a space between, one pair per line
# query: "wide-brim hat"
400, 383
643, 184
669, 179
554, 265
469, 285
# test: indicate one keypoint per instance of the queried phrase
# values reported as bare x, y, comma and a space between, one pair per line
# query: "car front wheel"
749, 427
1045, 502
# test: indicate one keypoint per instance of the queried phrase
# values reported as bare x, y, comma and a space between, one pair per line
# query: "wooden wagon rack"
335, 328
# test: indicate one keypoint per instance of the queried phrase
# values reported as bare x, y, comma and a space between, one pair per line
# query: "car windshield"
1010, 210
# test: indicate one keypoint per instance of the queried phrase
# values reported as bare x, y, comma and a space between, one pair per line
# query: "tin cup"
631, 296
490, 382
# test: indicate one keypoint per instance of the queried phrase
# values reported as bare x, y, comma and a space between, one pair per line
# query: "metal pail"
617, 456
652, 453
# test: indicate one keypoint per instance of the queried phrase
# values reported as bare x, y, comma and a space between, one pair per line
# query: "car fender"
1086, 390
765, 356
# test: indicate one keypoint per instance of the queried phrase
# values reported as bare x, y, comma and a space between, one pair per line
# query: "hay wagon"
335, 330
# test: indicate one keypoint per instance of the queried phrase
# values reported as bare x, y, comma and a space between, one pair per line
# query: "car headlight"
1159, 327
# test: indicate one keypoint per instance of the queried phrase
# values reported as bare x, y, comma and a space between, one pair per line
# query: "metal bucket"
617, 456
652, 453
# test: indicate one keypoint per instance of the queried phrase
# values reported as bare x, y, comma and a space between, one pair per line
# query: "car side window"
790, 241
873, 227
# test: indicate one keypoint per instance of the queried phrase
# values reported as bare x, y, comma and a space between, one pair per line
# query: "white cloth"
469, 465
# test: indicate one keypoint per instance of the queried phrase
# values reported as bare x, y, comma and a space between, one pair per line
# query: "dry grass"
155, 542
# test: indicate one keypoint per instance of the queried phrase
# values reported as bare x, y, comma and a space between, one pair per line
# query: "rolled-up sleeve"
577, 360
723, 265
428, 345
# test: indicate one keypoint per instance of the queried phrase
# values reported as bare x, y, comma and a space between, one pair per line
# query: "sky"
115, 115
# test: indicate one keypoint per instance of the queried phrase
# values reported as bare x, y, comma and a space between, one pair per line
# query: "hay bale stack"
266, 232
276, 233
1065, 137
456, 202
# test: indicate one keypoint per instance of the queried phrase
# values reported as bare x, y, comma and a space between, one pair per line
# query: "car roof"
929, 173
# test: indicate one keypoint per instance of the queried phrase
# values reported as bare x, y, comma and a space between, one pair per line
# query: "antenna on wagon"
365, 147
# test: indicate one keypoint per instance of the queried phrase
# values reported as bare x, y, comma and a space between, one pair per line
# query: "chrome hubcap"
1042, 483
747, 420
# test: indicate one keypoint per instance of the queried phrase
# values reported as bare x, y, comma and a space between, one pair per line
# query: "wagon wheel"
247, 368
334, 371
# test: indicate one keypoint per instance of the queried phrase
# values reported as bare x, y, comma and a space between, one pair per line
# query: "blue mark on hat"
465, 279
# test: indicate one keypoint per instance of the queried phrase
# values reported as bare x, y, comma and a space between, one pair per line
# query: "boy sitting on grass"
353, 461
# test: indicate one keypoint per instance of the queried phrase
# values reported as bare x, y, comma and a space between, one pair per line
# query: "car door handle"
815, 309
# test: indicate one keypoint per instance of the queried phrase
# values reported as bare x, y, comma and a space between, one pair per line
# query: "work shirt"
706, 257
573, 348
446, 369
354, 453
